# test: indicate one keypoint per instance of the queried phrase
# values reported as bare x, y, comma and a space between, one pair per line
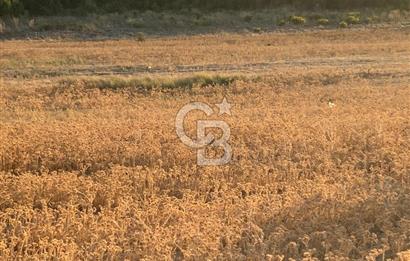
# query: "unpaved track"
264, 67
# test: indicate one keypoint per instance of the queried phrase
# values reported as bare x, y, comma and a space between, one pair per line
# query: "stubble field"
91, 167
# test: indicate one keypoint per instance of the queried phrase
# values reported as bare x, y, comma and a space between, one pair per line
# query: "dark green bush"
11, 7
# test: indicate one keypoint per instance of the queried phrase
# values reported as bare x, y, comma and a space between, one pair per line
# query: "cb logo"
202, 140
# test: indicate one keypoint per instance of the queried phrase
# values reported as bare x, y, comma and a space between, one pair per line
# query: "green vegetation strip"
148, 83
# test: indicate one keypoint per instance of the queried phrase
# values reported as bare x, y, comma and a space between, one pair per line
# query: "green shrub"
297, 20
343, 24
323, 21
281, 22
352, 19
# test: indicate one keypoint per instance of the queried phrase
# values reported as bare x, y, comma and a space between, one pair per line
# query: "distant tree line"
53, 7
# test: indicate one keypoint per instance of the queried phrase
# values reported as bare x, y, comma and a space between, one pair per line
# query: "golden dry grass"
89, 172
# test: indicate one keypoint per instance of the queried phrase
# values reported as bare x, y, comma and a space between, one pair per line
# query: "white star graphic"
224, 107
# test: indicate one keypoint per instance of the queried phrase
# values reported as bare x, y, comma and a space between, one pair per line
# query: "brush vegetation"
152, 84
297, 20
53, 7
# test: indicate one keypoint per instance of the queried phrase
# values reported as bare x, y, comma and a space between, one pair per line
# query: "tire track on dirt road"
145, 70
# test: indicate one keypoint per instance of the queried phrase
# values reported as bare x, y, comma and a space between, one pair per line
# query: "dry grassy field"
91, 167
